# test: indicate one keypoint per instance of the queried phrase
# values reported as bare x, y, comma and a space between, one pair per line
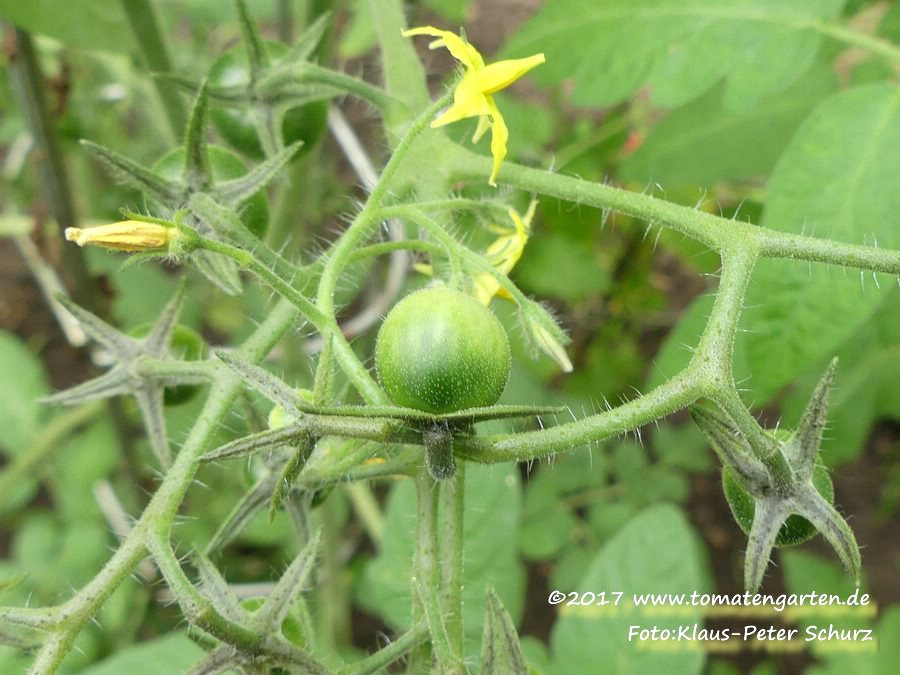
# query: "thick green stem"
675, 394
425, 609
713, 355
452, 521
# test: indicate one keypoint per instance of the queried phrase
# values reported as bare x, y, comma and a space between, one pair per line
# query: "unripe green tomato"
235, 124
225, 165
796, 529
186, 344
440, 350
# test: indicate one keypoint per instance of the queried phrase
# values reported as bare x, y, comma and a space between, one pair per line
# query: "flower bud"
126, 235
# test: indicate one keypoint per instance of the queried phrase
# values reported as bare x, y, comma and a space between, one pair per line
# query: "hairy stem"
452, 518
714, 231
159, 515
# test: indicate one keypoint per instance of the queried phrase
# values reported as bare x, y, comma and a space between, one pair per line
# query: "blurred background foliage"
676, 104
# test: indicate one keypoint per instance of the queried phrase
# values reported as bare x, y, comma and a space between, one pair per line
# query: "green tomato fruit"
439, 351
796, 529
235, 124
225, 165
186, 344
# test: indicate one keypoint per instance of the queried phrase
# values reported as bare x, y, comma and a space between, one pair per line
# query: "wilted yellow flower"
504, 253
126, 235
472, 97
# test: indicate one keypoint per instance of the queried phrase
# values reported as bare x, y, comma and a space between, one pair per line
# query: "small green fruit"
796, 529
440, 351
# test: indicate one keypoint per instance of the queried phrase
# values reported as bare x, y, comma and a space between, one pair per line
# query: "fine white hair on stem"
399, 260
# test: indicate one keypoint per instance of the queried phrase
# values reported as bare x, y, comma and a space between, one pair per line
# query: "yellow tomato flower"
472, 97
126, 235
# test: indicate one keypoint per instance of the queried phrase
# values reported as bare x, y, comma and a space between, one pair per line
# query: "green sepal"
237, 190
270, 617
257, 56
123, 377
285, 483
501, 653
134, 175
253, 501
197, 170
12, 582
308, 41
775, 503
215, 589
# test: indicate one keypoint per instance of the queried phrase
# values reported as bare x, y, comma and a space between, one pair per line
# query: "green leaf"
865, 385
22, 384
881, 659
703, 142
95, 24
11, 582
170, 653
455, 11
359, 35
493, 504
655, 553
611, 48
836, 179
88, 457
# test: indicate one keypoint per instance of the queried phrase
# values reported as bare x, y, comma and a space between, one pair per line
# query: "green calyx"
778, 510
796, 529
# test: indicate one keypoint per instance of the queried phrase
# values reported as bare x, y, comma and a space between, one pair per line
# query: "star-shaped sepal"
778, 512
275, 82
139, 368
197, 178
256, 633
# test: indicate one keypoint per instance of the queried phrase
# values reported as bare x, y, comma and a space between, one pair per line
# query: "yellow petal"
467, 102
499, 136
484, 123
127, 235
424, 268
461, 50
496, 76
